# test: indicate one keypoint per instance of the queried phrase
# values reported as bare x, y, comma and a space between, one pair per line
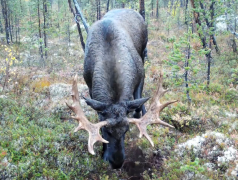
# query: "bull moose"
114, 74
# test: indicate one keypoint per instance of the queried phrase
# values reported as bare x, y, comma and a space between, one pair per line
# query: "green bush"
216, 88
7, 104
231, 96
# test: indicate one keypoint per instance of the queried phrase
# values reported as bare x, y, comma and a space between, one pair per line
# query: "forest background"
193, 42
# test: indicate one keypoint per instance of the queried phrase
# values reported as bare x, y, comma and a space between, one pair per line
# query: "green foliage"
38, 145
174, 171
234, 76
193, 167
216, 88
7, 62
231, 95
183, 60
7, 105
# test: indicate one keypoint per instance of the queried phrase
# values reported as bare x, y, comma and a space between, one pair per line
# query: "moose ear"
132, 105
96, 105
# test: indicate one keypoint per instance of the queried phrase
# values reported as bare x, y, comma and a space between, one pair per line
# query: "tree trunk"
45, 25
1, 26
211, 24
142, 8
113, 4
204, 43
157, 9
68, 29
18, 29
234, 46
186, 12
142, 12
40, 36
108, 1
186, 71
99, 9
9, 26
78, 10
152, 8
5, 16
21, 6
16, 20
78, 25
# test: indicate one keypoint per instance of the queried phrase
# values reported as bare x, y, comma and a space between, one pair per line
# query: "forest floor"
37, 139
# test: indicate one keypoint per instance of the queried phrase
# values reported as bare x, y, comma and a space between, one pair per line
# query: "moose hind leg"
138, 95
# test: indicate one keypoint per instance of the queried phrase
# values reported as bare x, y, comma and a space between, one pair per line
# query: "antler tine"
160, 90
84, 123
152, 115
75, 92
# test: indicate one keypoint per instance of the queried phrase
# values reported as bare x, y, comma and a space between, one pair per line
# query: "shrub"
216, 88
231, 95
38, 86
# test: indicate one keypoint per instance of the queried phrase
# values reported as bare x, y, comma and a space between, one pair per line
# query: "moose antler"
152, 115
93, 129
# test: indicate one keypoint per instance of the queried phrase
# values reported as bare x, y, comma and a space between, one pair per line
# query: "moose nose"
116, 163
115, 159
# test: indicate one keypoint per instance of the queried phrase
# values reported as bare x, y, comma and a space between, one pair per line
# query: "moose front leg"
138, 95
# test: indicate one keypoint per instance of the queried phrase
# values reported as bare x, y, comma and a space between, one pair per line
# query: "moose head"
114, 122
117, 126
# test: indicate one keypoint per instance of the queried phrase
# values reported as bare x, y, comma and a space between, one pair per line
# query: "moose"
114, 73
